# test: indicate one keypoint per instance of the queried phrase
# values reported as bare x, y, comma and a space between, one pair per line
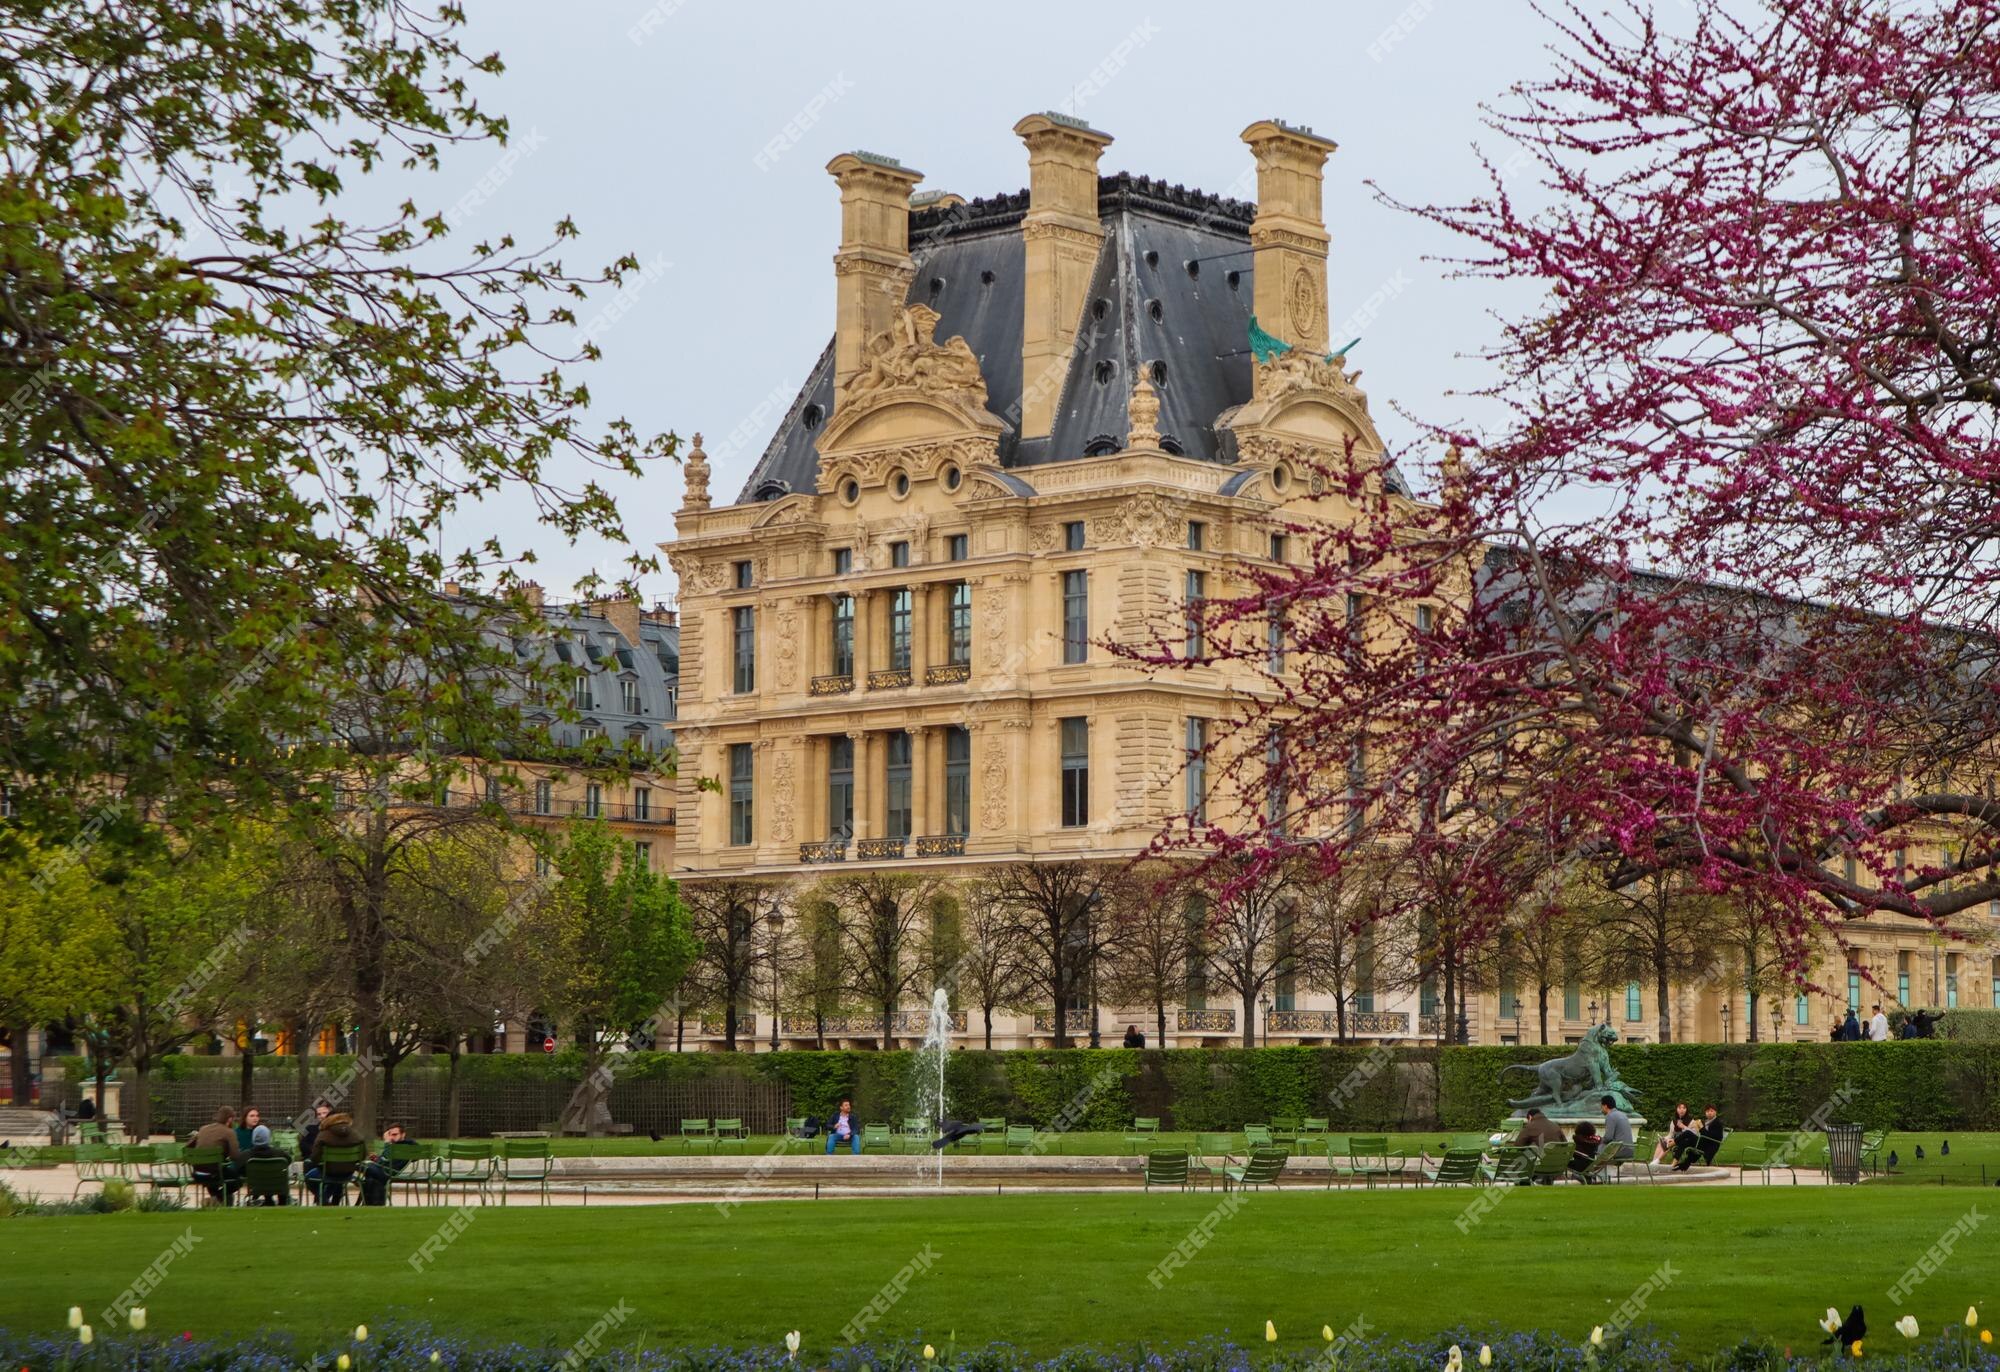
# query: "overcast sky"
695, 134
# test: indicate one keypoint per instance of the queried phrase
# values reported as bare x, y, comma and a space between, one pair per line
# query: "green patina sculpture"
1575, 1084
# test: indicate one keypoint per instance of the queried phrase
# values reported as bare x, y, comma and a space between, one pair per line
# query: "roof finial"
696, 471
1453, 467
1143, 415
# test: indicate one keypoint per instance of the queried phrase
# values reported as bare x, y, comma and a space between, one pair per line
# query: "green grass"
1041, 1271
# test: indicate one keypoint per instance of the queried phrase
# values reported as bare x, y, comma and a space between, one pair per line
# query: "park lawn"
1042, 1271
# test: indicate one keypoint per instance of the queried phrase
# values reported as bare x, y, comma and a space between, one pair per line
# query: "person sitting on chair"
1670, 1142
1708, 1142
331, 1178
1537, 1130
246, 1127
1583, 1147
218, 1133
842, 1126
262, 1147
1133, 1037
381, 1167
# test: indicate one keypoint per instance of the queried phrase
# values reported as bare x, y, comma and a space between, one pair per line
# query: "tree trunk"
588, 1111
1249, 1016
139, 1109
451, 1089
1754, 1007
1664, 992
888, 1025
989, 1028
1061, 988
729, 1025
1160, 1010
1542, 997
20, 1072
680, 1030
246, 1084
302, 1063
1448, 1027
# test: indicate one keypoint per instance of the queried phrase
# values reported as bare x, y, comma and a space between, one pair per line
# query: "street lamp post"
1726, 1038
1266, 1004
1593, 1014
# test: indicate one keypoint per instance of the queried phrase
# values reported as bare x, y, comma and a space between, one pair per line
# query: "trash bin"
1843, 1153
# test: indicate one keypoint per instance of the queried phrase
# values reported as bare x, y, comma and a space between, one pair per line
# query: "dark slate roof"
588, 641
1168, 252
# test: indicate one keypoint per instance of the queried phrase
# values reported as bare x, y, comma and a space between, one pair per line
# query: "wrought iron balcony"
1378, 1022
889, 680
941, 845
1076, 1024
1301, 1022
658, 810
831, 850
907, 1024
716, 1027
830, 685
1205, 1021
948, 674
867, 848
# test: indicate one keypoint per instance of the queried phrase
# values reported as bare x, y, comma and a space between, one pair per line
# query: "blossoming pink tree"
1717, 594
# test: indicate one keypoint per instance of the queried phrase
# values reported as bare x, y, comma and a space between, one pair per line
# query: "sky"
694, 134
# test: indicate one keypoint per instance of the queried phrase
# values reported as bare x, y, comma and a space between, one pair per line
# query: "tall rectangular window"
1280, 547
1197, 535
1426, 617
843, 635
1277, 791
1076, 616
644, 853
899, 630
840, 788
1285, 989
957, 548
960, 635
642, 802
742, 813
1357, 784
544, 798
1510, 997
1994, 983
843, 561
583, 697
1364, 972
957, 780
1633, 1013
1197, 770
1902, 988
1074, 737
1195, 912
1801, 1011
1073, 536
744, 659
628, 696
1572, 999
593, 800
898, 790
493, 790
899, 553
1854, 989
1951, 981
746, 576
1197, 590
1274, 641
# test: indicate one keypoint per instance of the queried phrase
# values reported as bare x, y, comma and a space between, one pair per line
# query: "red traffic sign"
549, 1044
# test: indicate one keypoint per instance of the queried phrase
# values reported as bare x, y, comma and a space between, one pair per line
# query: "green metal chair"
95, 1162
350, 1160
417, 1161
1458, 1167
1610, 1160
795, 1133
267, 1181
1263, 1168
1312, 1131
731, 1131
1553, 1164
1145, 1130
697, 1134
1168, 1167
1218, 1146
208, 1169
1368, 1157
992, 1133
1871, 1149
1020, 1138
1257, 1136
876, 1138
166, 1168
914, 1136
1511, 1165
1285, 1132
1773, 1155
468, 1166
528, 1162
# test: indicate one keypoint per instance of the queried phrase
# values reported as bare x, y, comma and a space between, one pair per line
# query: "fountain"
930, 1068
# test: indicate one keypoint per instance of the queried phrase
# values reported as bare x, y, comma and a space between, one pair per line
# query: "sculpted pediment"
910, 389
1301, 399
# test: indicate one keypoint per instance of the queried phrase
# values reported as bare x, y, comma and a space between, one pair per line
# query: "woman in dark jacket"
1584, 1147
338, 1132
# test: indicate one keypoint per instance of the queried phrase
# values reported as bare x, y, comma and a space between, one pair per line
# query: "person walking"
1878, 1027
1850, 1028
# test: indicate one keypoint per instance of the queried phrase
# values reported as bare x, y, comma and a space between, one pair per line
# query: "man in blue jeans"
842, 1126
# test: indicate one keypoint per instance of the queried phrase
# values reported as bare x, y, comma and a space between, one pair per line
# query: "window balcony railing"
941, 845
906, 1024
564, 807
1076, 1024
830, 685
831, 850
890, 680
876, 848
1378, 1022
948, 674
716, 1027
1205, 1021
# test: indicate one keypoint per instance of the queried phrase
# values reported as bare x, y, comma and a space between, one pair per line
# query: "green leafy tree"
235, 419
615, 943
34, 909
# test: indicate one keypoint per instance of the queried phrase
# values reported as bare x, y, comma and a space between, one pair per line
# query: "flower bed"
417, 1349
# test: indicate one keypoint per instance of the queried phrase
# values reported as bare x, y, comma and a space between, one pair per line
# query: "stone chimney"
622, 613
873, 267
531, 591
1289, 233
1062, 234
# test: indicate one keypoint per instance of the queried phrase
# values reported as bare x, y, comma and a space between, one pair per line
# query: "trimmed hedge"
1918, 1084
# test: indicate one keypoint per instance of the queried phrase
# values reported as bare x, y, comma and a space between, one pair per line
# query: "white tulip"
929, 1352
1907, 1326
343, 1362
792, 1345
85, 1334
436, 1356
76, 1317
1597, 1336
137, 1316
1971, 1317
1270, 1332
1486, 1355
1832, 1320
1326, 1332
361, 1333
